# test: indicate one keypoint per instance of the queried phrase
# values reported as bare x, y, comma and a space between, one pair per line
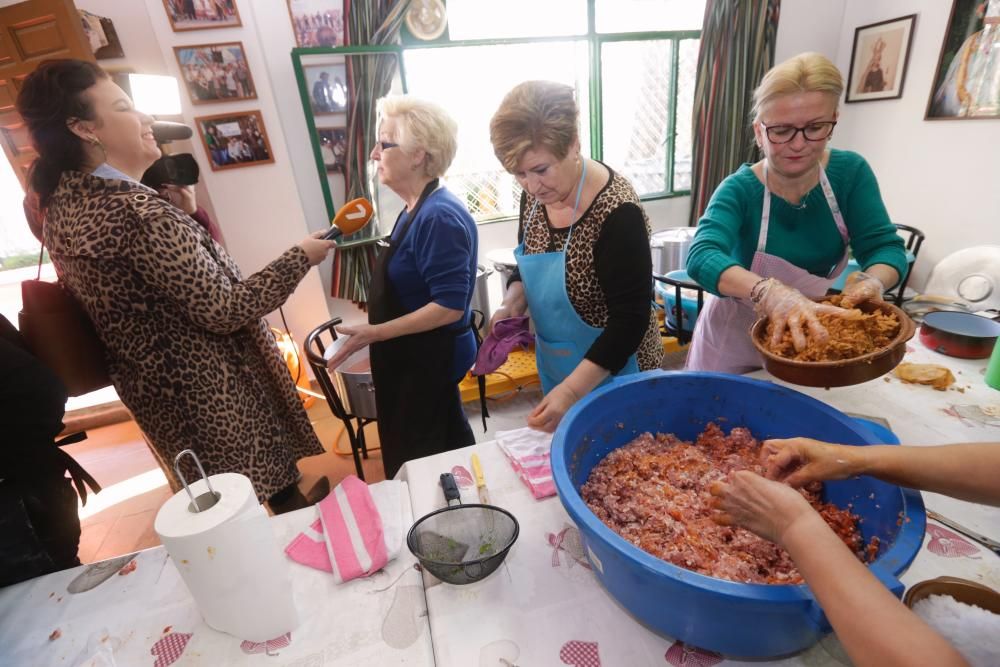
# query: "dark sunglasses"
782, 134
385, 145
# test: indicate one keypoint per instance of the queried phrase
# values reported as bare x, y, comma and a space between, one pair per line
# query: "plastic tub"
689, 301
746, 620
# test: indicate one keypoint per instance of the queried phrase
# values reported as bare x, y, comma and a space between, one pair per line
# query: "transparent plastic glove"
789, 309
860, 287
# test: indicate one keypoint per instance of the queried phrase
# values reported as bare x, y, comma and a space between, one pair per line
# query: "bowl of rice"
964, 612
862, 346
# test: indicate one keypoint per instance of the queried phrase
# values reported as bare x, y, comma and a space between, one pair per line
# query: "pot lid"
671, 236
971, 275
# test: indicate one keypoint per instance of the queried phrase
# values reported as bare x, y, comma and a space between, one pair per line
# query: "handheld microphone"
165, 131
352, 216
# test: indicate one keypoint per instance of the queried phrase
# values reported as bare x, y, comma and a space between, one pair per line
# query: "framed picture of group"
215, 72
234, 140
202, 14
327, 86
317, 22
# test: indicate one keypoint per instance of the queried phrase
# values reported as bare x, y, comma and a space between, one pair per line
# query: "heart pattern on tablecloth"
567, 540
267, 647
169, 649
945, 543
682, 655
463, 477
580, 654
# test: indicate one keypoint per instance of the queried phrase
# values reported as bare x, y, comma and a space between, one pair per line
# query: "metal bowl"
840, 373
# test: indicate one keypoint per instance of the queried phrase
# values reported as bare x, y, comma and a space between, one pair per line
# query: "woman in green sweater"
776, 234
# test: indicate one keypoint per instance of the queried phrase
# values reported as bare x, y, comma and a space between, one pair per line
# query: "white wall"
939, 176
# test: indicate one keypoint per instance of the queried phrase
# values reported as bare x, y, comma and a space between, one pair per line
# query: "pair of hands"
789, 308
770, 506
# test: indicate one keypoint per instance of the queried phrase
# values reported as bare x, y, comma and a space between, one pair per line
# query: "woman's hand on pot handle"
790, 309
358, 336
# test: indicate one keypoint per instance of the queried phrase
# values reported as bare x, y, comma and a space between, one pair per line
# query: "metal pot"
669, 249
963, 335
481, 296
354, 385
504, 264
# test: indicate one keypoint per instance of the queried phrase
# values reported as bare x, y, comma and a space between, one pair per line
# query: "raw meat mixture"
654, 493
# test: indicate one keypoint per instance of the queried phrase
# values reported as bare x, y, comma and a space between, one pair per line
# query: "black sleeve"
515, 275
624, 270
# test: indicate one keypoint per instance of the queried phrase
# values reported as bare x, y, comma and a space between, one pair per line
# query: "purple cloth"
506, 335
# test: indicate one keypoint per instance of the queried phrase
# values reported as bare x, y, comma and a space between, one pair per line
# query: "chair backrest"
315, 351
683, 336
914, 238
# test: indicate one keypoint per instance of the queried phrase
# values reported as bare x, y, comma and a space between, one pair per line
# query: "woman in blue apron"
583, 260
421, 291
776, 234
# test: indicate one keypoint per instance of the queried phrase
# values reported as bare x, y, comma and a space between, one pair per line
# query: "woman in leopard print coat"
187, 349
584, 266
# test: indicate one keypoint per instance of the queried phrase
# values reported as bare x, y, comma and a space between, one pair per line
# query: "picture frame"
234, 140
879, 59
329, 94
333, 148
215, 72
201, 14
961, 87
317, 22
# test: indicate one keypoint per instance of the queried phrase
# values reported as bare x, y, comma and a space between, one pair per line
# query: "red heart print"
580, 654
462, 477
267, 647
170, 648
948, 544
682, 655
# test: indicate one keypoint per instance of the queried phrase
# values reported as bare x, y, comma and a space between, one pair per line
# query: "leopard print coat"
187, 349
582, 285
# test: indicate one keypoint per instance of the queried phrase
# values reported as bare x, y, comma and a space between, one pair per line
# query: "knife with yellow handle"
477, 471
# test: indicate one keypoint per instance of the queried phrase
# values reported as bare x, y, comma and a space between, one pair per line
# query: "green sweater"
805, 235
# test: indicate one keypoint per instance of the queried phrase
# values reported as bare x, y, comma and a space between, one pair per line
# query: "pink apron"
721, 339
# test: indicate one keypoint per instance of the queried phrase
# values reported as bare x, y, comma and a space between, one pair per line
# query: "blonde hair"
535, 114
804, 73
423, 126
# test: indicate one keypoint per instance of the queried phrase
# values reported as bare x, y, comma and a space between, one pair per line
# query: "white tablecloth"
120, 619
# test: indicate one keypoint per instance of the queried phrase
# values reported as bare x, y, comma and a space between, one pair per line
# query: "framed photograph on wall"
215, 72
878, 60
317, 22
967, 80
327, 86
235, 139
201, 14
333, 147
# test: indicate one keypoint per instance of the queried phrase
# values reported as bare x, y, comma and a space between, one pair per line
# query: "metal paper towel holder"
205, 500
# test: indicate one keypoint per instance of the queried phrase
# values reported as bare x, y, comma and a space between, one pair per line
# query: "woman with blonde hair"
419, 307
583, 262
777, 233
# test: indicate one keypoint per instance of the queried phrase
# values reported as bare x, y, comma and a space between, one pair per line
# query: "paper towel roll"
230, 560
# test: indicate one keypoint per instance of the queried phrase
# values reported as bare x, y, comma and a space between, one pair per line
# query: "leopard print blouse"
582, 285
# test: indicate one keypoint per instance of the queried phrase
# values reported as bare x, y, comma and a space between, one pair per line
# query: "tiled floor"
119, 520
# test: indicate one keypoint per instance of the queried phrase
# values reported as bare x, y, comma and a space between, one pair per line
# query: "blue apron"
562, 338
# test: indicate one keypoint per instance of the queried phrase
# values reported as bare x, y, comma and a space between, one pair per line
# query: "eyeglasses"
782, 134
385, 145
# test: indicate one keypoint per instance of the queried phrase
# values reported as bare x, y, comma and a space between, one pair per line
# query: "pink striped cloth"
347, 539
528, 453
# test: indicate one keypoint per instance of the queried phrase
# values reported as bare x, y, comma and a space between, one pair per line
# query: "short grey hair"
423, 126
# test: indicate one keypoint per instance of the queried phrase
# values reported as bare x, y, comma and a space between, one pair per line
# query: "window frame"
595, 43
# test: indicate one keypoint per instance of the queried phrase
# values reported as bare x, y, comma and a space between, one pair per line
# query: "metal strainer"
460, 544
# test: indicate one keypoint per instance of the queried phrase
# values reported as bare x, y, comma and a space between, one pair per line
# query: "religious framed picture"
215, 72
967, 79
878, 60
317, 22
234, 140
202, 14
333, 147
327, 86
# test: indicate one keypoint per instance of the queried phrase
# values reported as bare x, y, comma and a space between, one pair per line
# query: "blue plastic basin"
689, 307
745, 620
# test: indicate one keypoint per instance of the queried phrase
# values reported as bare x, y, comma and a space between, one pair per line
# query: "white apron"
721, 339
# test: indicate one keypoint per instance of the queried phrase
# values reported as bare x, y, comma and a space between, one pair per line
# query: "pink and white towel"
528, 453
358, 531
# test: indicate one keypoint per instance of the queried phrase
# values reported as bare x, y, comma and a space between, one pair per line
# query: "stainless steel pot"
353, 379
504, 264
481, 296
669, 248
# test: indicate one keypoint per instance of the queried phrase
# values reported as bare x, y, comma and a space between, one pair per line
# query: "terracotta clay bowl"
962, 590
844, 372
